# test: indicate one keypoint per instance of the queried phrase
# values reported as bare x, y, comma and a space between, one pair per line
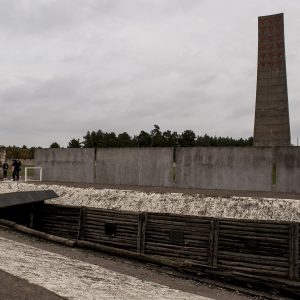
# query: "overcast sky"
69, 66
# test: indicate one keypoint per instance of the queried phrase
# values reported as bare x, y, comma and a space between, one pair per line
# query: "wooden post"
216, 244
143, 232
139, 233
81, 224
293, 251
211, 242
296, 248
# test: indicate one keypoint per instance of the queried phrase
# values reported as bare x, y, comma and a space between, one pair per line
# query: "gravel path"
75, 279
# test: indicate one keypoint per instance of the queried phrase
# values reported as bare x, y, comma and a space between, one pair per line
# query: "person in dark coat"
16, 167
5, 169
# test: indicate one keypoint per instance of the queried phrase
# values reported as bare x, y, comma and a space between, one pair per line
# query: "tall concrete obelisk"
272, 124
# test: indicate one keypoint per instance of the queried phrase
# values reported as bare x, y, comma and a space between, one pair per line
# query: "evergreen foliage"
157, 138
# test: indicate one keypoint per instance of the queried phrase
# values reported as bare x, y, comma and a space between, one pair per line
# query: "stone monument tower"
272, 124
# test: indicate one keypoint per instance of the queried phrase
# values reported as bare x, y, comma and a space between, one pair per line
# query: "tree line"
18, 152
154, 138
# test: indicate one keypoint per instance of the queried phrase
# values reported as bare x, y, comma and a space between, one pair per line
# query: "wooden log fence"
63, 221
254, 247
249, 248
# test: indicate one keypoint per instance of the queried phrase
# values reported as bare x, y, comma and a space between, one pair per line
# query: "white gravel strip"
178, 203
75, 279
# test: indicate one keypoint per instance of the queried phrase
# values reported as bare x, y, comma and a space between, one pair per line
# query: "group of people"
15, 168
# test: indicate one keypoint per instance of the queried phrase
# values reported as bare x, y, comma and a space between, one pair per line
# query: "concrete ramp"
21, 198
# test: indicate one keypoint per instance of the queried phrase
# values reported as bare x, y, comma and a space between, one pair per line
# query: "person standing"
15, 170
5, 169
19, 163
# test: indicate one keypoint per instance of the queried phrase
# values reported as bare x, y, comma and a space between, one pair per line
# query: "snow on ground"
178, 203
75, 279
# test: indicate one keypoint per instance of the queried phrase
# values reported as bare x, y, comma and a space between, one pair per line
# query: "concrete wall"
134, 166
70, 165
197, 167
224, 168
288, 169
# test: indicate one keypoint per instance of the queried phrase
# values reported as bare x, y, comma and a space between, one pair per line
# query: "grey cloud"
69, 66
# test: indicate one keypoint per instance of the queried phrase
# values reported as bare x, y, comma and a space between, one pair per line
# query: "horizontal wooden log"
249, 237
110, 220
256, 263
61, 206
262, 243
252, 257
196, 258
166, 232
203, 260
132, 219
108, 237
182, 223
7, 223
255, 223
244, 234
187, 236
119, 228
59, 227
115, 239
119, 231
65, 228
44, 235
190, 243
119, 224
280, 282
256, 267
168, 247
101, 224
186, 253
59, 221
113, 244
174, 217
112, 217
251, 271
264, 252
254, 251
71, 235
166, 237
60, 210
262, 247
107, 214
112, 211
62, 229
186, 245
168, 227
59, 213
254, 229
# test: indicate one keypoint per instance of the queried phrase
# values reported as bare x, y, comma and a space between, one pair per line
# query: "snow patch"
175, 203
